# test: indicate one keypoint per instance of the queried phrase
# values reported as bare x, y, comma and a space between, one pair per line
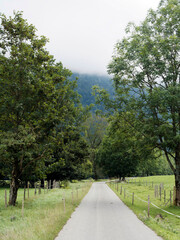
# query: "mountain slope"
85, 84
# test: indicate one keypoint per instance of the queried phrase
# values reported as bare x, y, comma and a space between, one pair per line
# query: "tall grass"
44, 214
168, 226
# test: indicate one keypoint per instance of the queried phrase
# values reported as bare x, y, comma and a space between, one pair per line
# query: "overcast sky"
82, 33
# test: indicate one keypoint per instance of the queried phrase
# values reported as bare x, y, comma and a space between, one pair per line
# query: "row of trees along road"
94, 131
145, 68
40, 112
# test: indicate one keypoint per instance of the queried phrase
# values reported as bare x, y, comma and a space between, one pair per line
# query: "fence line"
165, 210
48, 186
152, 204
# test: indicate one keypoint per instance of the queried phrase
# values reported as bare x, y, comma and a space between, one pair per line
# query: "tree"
94, 129
121, 152
70, 158
145, 68
34, 105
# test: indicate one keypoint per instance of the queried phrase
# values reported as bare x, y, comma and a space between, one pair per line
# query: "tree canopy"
39, 107
145, 68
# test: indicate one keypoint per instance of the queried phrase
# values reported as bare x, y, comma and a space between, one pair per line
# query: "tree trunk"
14, 186
177, 183
177, 197
93, 155
95, 171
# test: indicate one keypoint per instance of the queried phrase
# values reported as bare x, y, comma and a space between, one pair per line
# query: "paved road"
102, 216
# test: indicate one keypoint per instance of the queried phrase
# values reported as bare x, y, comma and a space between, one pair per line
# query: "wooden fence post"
23, 208
64, 203
174, 195
5, 198
148, 204
160, 191
121, 190
72, 197
132, 198
124, 193
24, 192
39, 188
35, 190
28, 190
170, 197
77, 193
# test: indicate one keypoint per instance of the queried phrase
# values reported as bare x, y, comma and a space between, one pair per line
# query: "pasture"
43, 215
134, 192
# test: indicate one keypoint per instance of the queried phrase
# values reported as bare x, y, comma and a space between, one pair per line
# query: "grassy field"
168, 227
44, 214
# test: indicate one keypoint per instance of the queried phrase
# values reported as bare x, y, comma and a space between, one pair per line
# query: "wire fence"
133, 195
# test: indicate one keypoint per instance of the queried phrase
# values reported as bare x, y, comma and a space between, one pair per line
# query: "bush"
75, 181
65, 184
4, 183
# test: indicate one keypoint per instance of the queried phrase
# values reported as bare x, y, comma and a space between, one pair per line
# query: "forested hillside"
86, 82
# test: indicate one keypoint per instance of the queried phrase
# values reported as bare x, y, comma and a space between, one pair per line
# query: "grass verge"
165, 225
44, 214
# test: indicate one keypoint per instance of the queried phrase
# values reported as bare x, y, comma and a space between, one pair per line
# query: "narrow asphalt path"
102, 216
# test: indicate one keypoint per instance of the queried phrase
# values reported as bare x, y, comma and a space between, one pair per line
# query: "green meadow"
43, 216
134, 193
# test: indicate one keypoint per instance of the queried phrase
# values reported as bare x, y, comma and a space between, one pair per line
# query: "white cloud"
82, 33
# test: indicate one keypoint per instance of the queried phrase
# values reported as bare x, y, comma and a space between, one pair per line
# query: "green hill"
85, 84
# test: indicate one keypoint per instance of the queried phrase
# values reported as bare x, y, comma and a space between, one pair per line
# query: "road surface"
103, 216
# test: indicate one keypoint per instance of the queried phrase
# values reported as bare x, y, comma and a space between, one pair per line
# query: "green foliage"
147, 74
27, 88
94, 131
65, 184
40, 113
75, 154
94, 128
145, 68
120, 154
157, 165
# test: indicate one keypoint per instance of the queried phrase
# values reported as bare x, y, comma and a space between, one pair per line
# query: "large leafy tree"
94, 130
121, 152
35, 108
145, 68
70, 152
